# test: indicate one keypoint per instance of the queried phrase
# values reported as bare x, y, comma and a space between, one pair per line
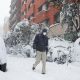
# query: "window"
23, 13
57, 17
45, 7
32, 1
40, 8
26, 10
29, 18
30, 5
32, 16
26, 0
22, 2
50, 0
46, 22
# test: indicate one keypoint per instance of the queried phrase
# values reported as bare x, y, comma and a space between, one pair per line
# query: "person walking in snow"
3, 62
40, 44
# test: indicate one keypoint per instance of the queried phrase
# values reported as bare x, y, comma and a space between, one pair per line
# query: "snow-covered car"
59, 47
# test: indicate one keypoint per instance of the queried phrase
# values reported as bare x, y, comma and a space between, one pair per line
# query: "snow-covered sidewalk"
21, 69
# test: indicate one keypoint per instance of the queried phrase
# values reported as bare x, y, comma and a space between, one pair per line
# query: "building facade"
40, 11
15, 13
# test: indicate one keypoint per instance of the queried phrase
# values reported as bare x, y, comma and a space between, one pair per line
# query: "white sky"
4, 10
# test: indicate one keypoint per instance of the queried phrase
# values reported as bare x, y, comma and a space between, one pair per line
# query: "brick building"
15, 13
40, 11
58, 30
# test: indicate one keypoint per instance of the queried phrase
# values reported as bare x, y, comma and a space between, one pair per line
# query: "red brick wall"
28, 2
30, 12
51, 13
38, 3
42, 15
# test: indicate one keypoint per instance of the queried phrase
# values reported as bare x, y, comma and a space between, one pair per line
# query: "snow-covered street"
20, 68
41, 30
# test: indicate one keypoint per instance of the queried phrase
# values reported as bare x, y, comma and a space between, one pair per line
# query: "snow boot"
33, 68
43, 73
3, 67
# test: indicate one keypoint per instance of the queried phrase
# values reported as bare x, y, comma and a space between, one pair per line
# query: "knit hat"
44, 30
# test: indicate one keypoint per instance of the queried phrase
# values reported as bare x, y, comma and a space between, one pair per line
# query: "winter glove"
34, 50
46, 49
34, 46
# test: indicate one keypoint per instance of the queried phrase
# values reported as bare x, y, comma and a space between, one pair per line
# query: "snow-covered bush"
22, 25
28, 51
21, 37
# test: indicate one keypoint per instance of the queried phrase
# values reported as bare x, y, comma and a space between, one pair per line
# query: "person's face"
44, 33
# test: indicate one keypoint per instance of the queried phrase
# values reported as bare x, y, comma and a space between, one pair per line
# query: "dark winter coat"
40, 42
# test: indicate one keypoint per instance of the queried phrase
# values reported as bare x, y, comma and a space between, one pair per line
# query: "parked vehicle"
60, 50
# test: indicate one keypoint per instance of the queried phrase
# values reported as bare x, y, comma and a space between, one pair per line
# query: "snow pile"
76, 54
28, 51
21, 69
3, 53
22, 50
57, 48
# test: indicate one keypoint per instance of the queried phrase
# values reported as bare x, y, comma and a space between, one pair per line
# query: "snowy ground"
21, 69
